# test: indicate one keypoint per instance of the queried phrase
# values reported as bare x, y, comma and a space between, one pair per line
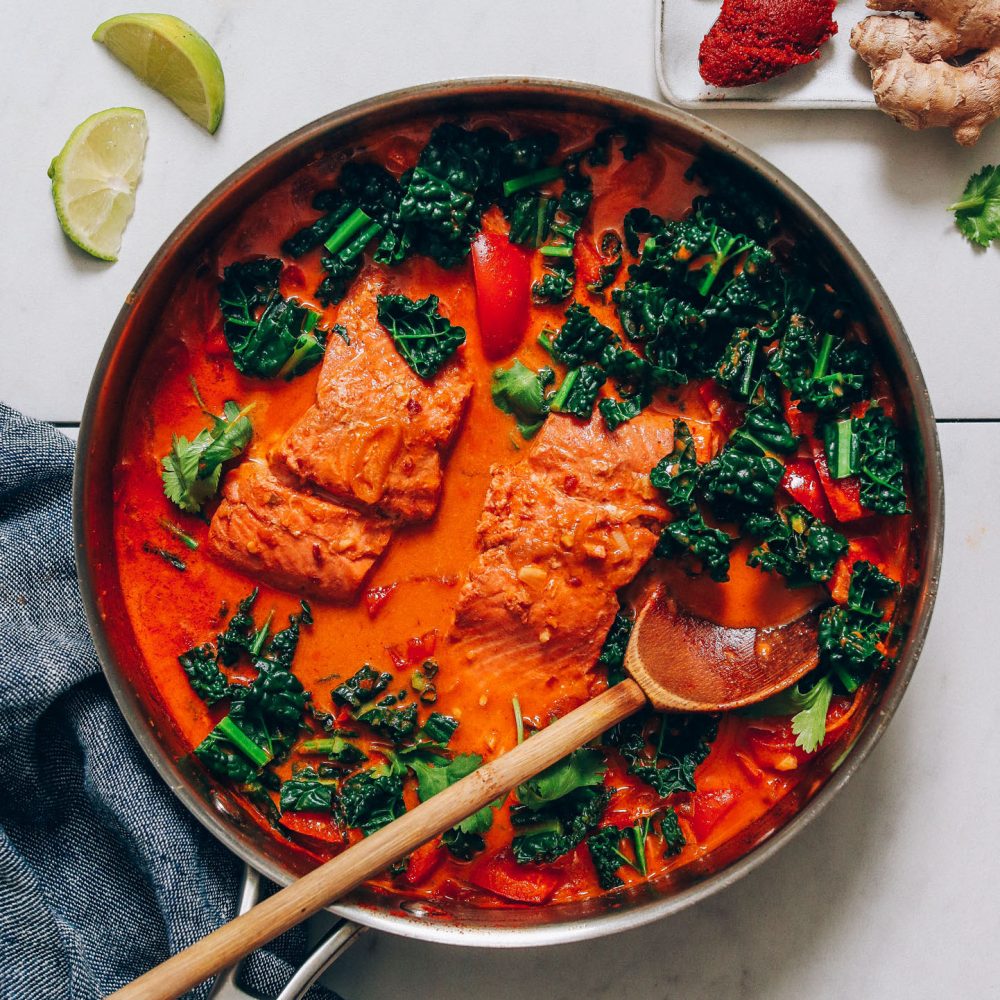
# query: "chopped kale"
673, 835
530, 215
607, 272
424, 338
579, 769
396, 724
612, 656
605, 851
691, 536
676, 475
230, 751
240, 634
638, 222
619, 411
543, 835
735, 199
371, 799
275, 693
335, 748
797, 545
305, 791
764, 428
521, 392
742, 364
361, 688
267, 334
736, 484
880, 463
438, 728
202, 668
581, 338
578, 392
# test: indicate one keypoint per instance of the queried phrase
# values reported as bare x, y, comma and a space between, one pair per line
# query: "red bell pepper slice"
318, 826
503, 876
844, 495
503, 293
708, 808
723, 410
801, 482
799, 421
375, 598
424, 861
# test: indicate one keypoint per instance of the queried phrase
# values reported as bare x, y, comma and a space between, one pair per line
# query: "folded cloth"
102, 872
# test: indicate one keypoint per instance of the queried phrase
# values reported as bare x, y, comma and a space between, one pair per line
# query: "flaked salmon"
294, 539
376, 435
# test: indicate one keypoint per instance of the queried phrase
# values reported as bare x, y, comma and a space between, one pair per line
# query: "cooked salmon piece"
292, 539
561, 532
376, 434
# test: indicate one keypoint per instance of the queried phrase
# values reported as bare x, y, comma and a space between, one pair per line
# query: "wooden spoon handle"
374, 854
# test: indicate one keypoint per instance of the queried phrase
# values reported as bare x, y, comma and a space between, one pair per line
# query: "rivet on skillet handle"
333, 944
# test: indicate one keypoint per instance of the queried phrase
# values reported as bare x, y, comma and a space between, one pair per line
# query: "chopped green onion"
178, 533
824, 356
167, 557
536, 177
557, 250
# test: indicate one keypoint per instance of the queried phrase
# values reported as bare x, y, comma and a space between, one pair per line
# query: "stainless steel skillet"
222, 813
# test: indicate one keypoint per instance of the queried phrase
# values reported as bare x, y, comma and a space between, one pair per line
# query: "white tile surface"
287, 64
892, 893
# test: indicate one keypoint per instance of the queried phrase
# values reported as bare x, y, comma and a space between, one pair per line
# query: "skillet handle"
332, 945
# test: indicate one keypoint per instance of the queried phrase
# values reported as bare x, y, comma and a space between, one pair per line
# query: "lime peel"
170, 56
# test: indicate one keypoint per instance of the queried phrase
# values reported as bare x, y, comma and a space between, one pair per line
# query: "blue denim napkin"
103, 874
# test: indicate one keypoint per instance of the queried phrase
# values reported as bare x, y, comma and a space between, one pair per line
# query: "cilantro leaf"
977, 213
808, 704
580, 769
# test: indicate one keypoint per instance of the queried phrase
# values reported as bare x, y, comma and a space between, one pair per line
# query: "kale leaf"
797, 545
396, 724
581, 338
202, 668
619, 411
605, 851
580, 769
372, 798
673, 835
543, 835
880, 463
676, 475
612, 655
361, 688
424, 338
764, 428
736, 484
305, 791
692, 536
268, 335
736, 199
578, 392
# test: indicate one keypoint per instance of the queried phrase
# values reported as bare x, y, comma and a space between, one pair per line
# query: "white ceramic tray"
838, 79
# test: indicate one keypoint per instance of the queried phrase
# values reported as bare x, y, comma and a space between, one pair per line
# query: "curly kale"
735, 199
531, 215
754, 298
611, 254
201, 665
619, 411
676, 475
581, 338
605, 851
543, 835
691, 536
371, 799
282, 646
396, 724
574, 203
764, 428
673, 836
305, 791
737, 484
424, 338
880, 463
851, 636
797, 545
824, 372
362, 687
640, 222
268, 335
679, 744
612, 655
578, 392
742, 364
275, 693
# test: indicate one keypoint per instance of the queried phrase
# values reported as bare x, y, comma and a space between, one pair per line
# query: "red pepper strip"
375, 598
424, 861
502, 875
801, 483
292, 276
587, 261
865, 549
721, 407
799, 421
844, 494
318, 826
503, 293
709, 808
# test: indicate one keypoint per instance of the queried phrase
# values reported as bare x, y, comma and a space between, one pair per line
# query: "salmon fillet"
294, 540
561, 532
376, 435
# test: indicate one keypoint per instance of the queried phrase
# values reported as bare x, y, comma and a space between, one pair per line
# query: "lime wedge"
169, 55
95, 176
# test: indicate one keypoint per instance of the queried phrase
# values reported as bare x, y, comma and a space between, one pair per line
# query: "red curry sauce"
411, 594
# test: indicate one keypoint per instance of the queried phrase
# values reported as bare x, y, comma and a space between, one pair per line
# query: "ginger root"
911, 79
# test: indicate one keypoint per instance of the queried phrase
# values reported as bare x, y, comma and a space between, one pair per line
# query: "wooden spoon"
676, 662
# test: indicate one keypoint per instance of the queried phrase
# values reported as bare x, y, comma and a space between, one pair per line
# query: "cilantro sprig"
977, 212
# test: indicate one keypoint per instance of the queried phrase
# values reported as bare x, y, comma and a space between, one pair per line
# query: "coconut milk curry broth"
413, 435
